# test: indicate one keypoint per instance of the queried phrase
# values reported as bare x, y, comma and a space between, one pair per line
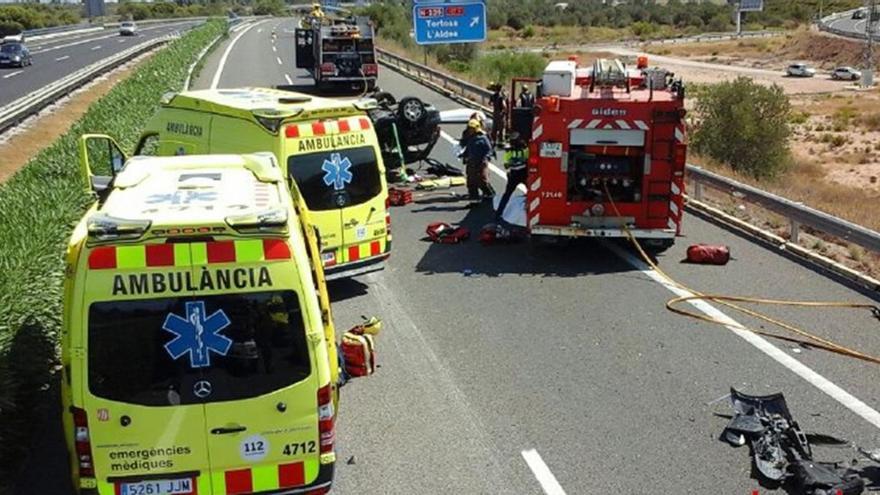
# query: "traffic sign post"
449, 22
746, 6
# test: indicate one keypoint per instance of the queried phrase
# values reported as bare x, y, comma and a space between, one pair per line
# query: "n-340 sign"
451, 22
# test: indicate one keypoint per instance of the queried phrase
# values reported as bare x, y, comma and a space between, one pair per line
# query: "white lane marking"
289, 80
846, 399
121, 40
98, 47
7, 76
216, 80
278, 59
59, 59
815, 379
542, 473
259, 30
274, 49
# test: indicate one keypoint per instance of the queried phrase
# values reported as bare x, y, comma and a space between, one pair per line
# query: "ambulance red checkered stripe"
179, 254
241, 481
327, 127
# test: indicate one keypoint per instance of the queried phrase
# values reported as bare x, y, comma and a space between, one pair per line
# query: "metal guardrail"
717, 37
84, 26
30, 33
18, 110
798, 215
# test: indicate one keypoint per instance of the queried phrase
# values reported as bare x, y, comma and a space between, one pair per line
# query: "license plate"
551, 150
158, 487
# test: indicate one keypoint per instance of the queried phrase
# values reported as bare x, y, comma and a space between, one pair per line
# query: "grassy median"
39, 206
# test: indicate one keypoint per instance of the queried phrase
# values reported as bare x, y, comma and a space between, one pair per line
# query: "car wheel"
411, 109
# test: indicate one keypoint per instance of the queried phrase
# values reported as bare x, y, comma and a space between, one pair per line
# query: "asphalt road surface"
846, 23
57, 57
556, 370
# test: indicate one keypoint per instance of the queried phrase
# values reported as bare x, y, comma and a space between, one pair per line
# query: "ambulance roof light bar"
103, 227
273, 220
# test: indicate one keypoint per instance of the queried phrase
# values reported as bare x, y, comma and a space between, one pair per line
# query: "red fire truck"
607, 151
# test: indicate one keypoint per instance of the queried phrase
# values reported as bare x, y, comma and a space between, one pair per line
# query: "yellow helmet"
473, 124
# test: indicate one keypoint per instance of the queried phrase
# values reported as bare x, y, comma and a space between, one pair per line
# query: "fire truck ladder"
609, 73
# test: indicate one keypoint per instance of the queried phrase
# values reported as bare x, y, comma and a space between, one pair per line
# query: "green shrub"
746, 125
35, 16
269, 7
528, 32
502, 66
40, 204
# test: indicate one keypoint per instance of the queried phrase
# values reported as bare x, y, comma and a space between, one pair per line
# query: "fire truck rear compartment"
595, 173
606, 161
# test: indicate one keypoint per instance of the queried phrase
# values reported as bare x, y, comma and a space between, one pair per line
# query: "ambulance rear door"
262, 413
144, 387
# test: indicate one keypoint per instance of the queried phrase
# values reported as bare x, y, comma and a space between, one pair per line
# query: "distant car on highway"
800, 70
14, 54
127, 28
846, 74
859, 14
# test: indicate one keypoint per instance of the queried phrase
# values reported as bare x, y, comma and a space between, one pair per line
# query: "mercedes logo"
202, 389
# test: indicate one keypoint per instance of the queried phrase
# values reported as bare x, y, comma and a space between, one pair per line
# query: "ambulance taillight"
83, 443
387, 216
326, 419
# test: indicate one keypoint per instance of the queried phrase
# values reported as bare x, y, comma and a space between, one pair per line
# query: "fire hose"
803, 338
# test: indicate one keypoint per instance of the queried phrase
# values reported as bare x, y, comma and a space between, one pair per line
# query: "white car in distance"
127, 28
800, 70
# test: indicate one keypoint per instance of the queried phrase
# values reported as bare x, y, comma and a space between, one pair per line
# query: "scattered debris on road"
498, 233
780, 449
443, 233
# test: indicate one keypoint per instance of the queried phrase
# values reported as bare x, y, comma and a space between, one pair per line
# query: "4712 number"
300, 448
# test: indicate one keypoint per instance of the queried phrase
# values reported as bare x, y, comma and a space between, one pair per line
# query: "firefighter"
516, 155
499, 111
477, 152
526, 98
317, 12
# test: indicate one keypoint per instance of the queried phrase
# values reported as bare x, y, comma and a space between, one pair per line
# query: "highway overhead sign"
449, 22
751, 5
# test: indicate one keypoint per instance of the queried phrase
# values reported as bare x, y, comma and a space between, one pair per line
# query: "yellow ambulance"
198, 348
328, 146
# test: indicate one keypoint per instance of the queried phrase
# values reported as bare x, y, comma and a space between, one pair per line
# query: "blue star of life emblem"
337, 171
197, 335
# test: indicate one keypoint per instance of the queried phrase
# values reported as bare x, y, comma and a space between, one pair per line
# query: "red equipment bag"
443, 233
399, 197
358, 354
708, 254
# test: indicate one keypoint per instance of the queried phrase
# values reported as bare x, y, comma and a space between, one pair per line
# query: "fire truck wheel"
656, 246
